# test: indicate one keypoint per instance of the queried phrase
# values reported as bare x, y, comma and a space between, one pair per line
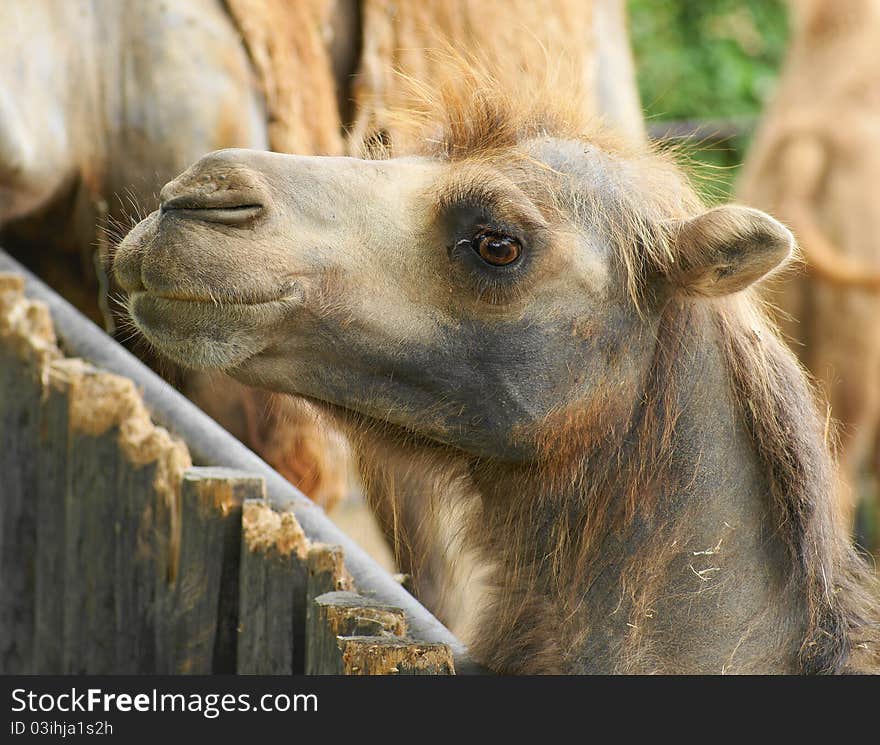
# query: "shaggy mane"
780, 409
537, 52
471, 114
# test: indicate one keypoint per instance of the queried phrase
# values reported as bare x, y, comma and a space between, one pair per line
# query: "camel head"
465, 295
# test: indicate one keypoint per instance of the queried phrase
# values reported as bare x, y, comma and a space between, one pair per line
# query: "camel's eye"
496, 248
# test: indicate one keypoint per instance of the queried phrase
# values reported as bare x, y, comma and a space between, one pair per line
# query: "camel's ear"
727, 249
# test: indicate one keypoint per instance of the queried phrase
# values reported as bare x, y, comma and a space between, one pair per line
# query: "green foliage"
708, 60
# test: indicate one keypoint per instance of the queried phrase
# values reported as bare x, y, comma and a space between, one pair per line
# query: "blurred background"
705, 71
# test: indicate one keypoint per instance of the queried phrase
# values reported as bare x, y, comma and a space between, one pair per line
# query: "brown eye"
496, 249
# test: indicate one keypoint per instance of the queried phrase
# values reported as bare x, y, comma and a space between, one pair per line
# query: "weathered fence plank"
51, 496
148, 490
143, 542
26, 344
337, 614
200, 605
388, 655
148, 503
327, 571
119, 491
272, 592
92, 518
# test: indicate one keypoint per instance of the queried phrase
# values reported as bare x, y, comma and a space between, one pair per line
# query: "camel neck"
694, 579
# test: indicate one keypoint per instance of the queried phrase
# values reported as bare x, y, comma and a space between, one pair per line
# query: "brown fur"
843, 632
287, 43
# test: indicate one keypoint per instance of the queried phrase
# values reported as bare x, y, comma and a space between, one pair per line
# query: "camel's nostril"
228, 200
235, 212
228, 207
219, 188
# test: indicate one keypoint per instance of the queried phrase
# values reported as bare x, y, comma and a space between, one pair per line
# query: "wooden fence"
117, 555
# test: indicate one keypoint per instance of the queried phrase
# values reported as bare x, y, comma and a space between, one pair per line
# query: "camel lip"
217, 301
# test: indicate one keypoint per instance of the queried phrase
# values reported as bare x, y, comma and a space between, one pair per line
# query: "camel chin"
215, 336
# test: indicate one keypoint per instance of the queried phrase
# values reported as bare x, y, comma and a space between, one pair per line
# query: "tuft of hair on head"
471, 107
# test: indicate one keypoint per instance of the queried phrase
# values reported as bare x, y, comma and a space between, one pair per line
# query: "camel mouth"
203, 333
225, 209
217, 302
